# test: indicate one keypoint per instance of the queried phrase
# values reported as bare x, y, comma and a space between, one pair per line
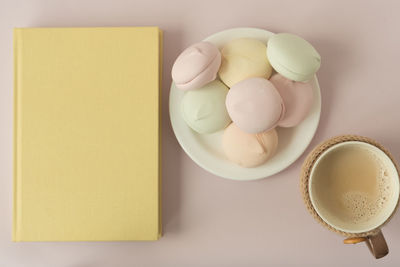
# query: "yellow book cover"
87, 134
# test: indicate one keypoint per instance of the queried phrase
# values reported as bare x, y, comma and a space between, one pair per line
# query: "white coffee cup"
368, 230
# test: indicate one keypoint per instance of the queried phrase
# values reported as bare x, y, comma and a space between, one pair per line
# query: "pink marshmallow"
297, 97
255, 105
196, 66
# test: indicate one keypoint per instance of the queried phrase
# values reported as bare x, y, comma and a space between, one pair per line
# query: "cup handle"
376, 244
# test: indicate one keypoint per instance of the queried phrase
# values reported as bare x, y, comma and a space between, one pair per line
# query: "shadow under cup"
354, 187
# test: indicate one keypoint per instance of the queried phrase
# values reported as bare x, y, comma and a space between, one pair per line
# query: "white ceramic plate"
206, 150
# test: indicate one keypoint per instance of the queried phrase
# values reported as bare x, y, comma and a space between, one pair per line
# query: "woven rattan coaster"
306, 170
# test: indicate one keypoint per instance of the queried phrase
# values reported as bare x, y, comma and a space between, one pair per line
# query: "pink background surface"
209, 221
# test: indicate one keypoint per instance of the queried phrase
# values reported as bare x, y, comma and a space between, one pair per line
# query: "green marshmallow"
204, 109
293, 57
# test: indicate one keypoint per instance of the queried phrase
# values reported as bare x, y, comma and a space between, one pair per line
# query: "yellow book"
87, 134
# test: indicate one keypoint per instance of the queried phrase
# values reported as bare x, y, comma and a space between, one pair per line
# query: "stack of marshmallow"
233, 90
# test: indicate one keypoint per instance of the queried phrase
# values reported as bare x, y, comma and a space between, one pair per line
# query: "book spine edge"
160, 55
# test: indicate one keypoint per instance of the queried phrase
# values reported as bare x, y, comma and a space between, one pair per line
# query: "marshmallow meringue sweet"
255, 105
297, 98
204, 110
249, 150
196, 66
244, 58
293, 57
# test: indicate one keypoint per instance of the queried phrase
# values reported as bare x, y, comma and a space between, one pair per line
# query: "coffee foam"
364, 207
